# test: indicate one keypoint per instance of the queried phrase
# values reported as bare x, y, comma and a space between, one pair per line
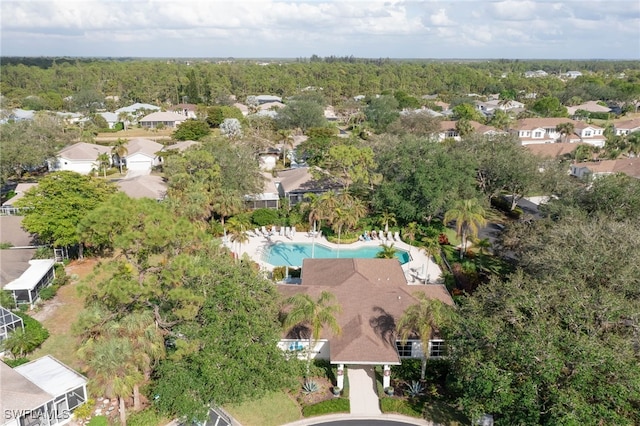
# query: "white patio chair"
396, 236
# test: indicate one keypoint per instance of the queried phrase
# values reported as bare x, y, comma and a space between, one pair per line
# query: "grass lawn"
272, 410
452, 236
436, 411
59, 314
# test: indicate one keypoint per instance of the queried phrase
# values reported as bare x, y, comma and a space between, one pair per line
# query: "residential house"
373, 294
181, 146
133, 109
573, 74
627, 166
70, 117
626, 127
144, 186
553, 150
448, 130
264, 99
142, 154
20, 189
80, 157
41, 392
543, 130
161, 119
270, 106
292, 184
534, 74
591, 106
242, 107
186, 110
330, 113
488, 107
111, 118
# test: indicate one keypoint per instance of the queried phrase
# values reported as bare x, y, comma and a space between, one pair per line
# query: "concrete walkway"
363, 397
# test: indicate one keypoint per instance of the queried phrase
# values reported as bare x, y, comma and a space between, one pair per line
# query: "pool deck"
418, 270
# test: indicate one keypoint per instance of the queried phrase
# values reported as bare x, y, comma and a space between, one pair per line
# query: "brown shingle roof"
628, 166
373, 294
552, 150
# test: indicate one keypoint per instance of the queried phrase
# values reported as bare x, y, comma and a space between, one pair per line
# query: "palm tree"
286, 140
387, 252
385, 218
111, 361
313, 203
147, 343
469, 215
238, 225
104, 161
410, 232
421, 320
119, 149
464, 127
316, 313
565, 129
431, 248
227, 203
20, 343
125, 117
349, 212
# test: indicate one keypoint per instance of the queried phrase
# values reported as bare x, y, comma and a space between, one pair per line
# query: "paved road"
364, 422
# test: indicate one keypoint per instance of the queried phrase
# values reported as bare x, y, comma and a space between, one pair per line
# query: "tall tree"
104, 161
422, 320
120, 151
317, 314
54, 208
386, 252
469, 215
565, 130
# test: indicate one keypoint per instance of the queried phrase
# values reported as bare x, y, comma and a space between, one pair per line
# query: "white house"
142, 154
628, 126
134, 108
573, 74
26, 288
162, 119
111, 118
543, 130
81, 158
263, 99
41, 392
187, 110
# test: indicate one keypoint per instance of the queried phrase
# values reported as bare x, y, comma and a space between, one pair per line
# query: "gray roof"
83, 151
14, 262
11, 232
181, 146
18, 393
21, 188
135, 107
51, 375
145, 146
144, 186
111, 117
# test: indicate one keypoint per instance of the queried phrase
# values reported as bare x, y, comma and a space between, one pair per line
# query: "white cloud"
375, 28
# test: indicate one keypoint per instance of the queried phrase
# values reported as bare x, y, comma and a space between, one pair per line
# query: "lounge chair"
389, 236
293, 231
287, 232
381, 235
257, 232
396, 236
282, 231
264, 231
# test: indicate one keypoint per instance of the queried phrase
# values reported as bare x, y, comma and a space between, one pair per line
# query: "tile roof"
162, 116
628, 166
18, 393
83, 151
628, 124
143, 145
373, 294
552, 150
144, 186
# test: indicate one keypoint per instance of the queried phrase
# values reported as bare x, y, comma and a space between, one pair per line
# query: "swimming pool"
292, 254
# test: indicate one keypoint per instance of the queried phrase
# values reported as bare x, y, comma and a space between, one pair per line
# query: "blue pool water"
292, 254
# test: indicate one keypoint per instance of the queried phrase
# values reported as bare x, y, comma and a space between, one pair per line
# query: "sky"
474, 29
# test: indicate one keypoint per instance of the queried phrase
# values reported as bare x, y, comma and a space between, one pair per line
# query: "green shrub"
16, 362
4, 246
411, 408
85, 410
264, 217
48, 293
408, 370
43, 253
7, 300
335, 405
148, 417
280, 271
20, 342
